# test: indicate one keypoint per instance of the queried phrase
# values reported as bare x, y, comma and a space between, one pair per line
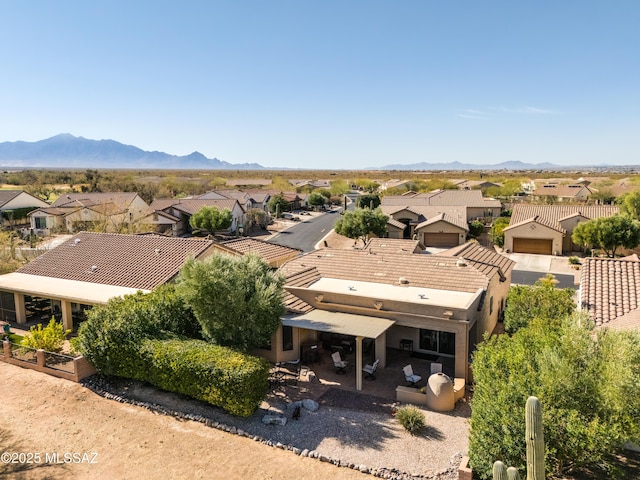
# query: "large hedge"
142, 337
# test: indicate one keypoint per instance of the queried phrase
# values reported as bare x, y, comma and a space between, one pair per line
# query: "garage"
441, 240
542, 246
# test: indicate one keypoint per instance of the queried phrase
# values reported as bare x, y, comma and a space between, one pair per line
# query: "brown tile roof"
564, 191
456, 215
427, 271
192, 205
121, 199
443, 217
395, 245
610, 290
301, 278
135, 261
267, 250
396, 223
487, 260
550, 215
7, 195
466, 198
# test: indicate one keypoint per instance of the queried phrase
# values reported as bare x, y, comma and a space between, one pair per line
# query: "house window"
7, 307
40, 222
439, 342
287, 338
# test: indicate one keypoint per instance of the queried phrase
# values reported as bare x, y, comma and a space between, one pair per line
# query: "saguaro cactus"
535, 447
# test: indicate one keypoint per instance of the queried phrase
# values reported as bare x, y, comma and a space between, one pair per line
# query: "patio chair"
340, 364
370, 370
411, 378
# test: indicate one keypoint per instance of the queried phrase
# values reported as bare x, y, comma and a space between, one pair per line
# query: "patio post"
67, 315
21, 313
359, 363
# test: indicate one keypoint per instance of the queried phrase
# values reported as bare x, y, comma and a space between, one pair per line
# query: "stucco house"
89, 269
73, 212
610, 292
439, 218
180, 211
17, 200
547, 229
438, 305
578, 192
432, 226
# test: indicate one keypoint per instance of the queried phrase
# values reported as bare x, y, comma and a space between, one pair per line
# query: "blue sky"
329, 84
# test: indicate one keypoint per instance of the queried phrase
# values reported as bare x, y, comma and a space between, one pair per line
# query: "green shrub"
51, 338
138, 337
573, 260
411, 418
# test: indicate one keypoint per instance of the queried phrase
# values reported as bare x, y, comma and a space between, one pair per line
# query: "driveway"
531, 263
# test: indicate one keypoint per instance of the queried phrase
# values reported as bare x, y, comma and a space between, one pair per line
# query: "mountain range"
68, 151
511, 165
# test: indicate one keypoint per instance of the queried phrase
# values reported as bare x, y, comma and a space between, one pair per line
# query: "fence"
56, 364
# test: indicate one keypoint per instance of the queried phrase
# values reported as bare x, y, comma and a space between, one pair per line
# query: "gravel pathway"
348, 428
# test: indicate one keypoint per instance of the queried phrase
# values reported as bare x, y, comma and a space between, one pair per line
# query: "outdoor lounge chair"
370, 370
411, 378
340, 364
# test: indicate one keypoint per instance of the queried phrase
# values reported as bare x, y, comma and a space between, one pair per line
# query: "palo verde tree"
608, 233
237, 300
630, 204
316, 199
211, 219
496, 232
362, 222
586, 381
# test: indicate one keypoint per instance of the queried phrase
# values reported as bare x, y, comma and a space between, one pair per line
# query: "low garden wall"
55, 364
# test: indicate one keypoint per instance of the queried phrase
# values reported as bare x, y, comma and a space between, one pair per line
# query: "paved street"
306, 234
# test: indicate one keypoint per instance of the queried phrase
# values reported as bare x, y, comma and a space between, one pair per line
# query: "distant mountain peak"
68, 151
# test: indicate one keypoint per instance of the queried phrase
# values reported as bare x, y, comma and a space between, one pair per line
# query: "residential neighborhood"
421, 297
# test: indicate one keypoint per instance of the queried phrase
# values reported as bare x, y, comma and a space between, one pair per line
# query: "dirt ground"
47, 416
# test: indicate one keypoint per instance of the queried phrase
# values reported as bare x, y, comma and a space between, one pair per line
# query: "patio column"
381, 349
21, 313
67, 316
359, 363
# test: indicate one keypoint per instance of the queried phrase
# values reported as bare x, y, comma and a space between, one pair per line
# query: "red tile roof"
268, 251
427, 271
610, 291
135, 261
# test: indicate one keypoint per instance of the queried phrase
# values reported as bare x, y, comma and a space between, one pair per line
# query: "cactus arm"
499, 471
512, 473
535, 440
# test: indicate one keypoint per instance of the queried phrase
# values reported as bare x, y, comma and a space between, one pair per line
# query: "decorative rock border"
100, 387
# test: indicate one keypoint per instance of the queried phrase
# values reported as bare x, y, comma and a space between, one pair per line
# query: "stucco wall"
526, 231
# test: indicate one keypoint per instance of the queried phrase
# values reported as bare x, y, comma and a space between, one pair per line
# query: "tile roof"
456, 215
444, 217
396, 223
395, 245
135, 261
267, 250
121, 199
228, 193
550, 215
462, 198
192, 205
610, 291
302, 278
8, 195
564, 191
428, 271
487, 260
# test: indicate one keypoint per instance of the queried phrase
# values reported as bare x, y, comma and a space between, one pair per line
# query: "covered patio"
316, 323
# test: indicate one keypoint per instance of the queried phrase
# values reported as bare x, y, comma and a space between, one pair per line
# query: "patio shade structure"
358, 326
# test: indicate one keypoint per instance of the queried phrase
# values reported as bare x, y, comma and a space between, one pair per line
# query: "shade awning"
72, 290
342, 323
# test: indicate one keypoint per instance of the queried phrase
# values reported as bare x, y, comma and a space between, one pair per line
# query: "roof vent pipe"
403, 281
